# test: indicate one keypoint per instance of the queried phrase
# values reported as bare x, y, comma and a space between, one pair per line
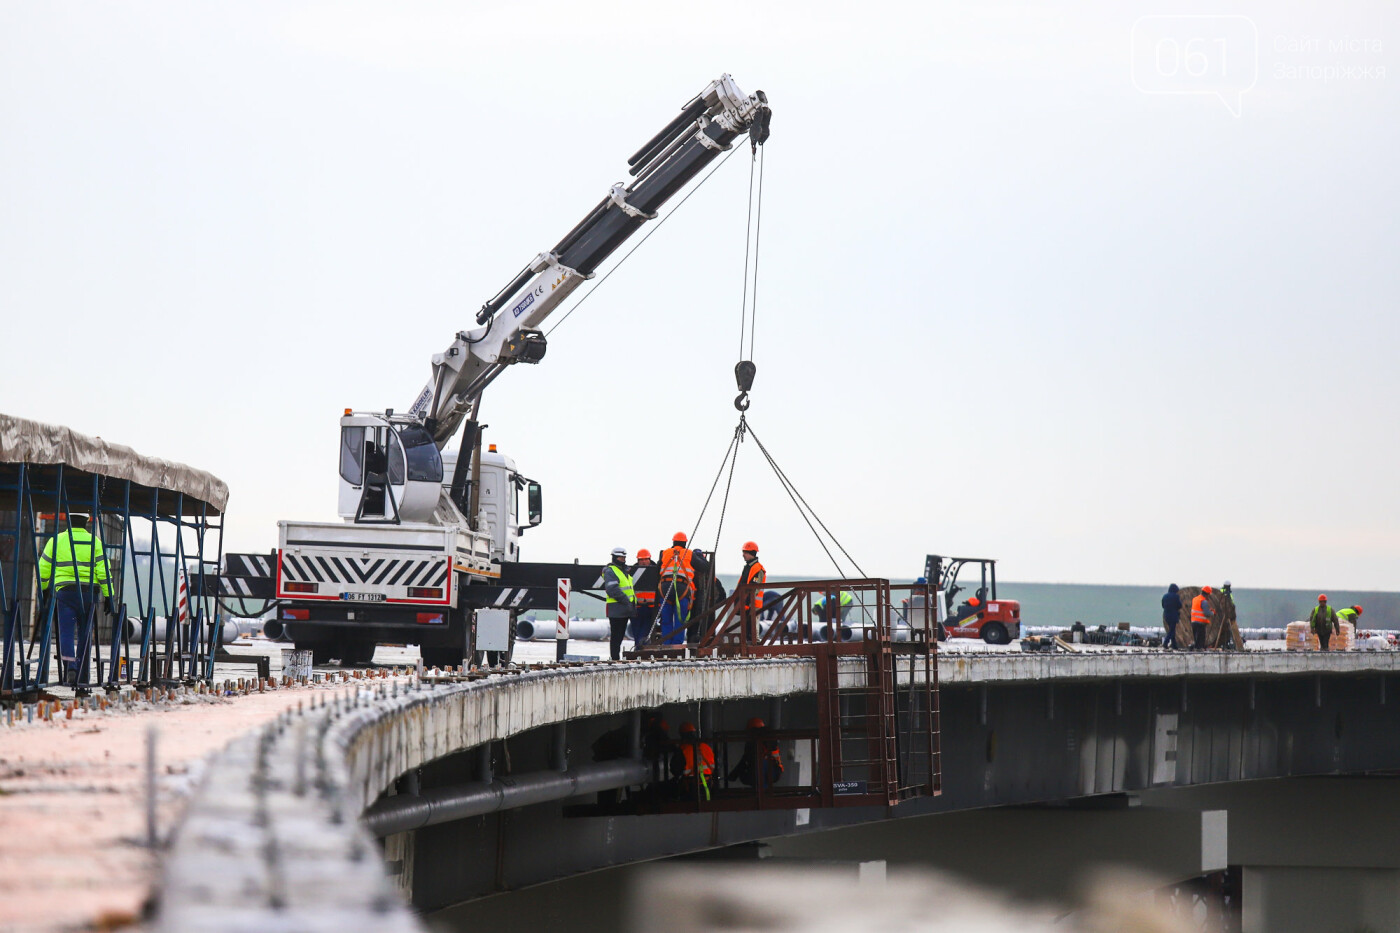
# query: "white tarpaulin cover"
25, 441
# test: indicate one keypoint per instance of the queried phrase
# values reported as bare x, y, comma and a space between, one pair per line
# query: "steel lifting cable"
804, 507
758, 232
671, 213
744, 370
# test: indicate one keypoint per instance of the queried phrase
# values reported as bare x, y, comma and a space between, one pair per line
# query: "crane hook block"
744, 371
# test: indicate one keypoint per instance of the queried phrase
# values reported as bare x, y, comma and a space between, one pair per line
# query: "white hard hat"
619, 552
1227, 582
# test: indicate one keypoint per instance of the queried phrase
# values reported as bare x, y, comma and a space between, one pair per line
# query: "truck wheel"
994, 633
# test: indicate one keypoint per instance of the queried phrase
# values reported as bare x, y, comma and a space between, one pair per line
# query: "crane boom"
507, 328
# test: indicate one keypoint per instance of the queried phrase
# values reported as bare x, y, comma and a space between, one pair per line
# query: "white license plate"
364, 597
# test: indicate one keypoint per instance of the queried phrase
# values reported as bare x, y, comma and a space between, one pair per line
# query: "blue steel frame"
191, 528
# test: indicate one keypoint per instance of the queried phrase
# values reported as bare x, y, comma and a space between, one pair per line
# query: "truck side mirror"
534, 498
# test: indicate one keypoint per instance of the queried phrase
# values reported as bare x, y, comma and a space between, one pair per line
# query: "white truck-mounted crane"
427, 551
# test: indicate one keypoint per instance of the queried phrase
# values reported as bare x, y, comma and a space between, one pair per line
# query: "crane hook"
744, 371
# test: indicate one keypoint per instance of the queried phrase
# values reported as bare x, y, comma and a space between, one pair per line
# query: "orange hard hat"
1322, 597
1358, 609
687, 728
662, 724
974, 602
756, 723
1206, 590
679, 536
751, 546
644, 554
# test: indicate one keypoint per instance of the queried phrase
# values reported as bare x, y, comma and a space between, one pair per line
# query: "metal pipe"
459, 802
228, 631
580, 629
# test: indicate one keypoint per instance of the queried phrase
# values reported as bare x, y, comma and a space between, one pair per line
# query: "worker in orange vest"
696, 779
677, 587
646, 600
762, 764
1201, 613
753, 575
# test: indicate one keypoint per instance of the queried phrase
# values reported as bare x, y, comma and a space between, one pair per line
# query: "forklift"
982, 615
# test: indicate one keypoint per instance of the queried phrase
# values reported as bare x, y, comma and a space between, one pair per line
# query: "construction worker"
646, 601
75, 567
1322, 620
762, 764
755, 576
621, 600
1227, 617
677, 587
695, 780
1171, 615
1351, 614
1201, 613
845, 601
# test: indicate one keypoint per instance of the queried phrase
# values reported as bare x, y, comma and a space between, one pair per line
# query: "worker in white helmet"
621, 600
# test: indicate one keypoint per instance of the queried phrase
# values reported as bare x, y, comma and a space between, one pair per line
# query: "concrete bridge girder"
1062, 736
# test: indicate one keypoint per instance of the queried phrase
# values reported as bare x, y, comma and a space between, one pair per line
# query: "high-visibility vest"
676, 568
1323, 616
768, 749
1347, 615
707, 758
643, 596
73, 556
1198, 610
624, 581
756, 575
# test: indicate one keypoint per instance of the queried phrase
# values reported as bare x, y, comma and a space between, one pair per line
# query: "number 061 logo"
1180, 54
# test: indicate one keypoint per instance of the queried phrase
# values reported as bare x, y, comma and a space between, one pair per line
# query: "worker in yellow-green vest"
621, 599
74, 566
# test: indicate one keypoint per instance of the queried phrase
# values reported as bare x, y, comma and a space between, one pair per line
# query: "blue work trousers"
640, 626
1169, 622
75, 607
673, 620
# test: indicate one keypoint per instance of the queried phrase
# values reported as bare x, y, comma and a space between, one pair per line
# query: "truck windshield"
424, 461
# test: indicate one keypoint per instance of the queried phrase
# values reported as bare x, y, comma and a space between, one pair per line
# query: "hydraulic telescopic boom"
507, 328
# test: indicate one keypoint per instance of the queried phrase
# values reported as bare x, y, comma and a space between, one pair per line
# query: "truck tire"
994, 633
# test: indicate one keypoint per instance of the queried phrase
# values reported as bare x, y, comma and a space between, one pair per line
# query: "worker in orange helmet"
695, 779
1322, 620
753, 576
762, 764
1201, 612
677, 588
1351, 614
646, 600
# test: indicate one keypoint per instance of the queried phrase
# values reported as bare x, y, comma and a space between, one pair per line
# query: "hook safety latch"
744, 371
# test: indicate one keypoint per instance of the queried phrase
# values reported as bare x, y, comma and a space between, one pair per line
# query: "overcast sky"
1010, 304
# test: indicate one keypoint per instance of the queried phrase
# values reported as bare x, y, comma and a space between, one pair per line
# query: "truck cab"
508, 502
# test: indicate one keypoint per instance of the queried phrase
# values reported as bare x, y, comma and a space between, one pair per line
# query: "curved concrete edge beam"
380, 744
